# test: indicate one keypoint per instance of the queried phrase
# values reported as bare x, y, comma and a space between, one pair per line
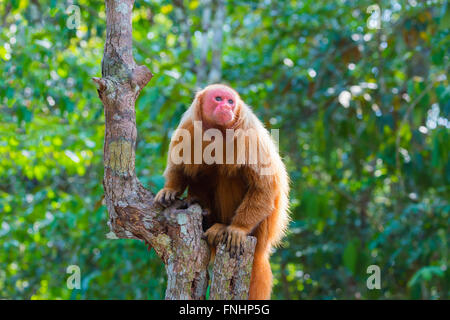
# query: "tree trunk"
176, 232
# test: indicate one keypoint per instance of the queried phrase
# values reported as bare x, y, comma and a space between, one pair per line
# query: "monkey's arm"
176, 182
174, 186
258, 204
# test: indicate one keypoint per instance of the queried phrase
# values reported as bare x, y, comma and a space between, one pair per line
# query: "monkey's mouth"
224, 116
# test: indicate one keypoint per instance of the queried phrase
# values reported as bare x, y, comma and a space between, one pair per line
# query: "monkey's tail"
261, 278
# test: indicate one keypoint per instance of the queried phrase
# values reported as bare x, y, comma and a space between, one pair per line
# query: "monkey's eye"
218, 99
230, 101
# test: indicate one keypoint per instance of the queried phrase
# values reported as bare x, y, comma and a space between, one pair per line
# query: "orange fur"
240, 200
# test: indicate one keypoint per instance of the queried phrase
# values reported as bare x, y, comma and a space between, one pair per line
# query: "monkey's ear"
196, 106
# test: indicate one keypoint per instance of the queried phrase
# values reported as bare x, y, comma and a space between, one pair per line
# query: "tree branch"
176, 232
230, 280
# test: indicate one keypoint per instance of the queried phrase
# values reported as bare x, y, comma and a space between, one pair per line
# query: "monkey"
239, 196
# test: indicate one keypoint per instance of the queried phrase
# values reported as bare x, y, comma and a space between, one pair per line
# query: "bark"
229, 280
175, 232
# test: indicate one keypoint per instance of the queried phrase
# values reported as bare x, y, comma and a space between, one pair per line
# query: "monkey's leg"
215, 234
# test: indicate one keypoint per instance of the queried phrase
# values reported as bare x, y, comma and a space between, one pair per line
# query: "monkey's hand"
214, 235
234, 239
166, 196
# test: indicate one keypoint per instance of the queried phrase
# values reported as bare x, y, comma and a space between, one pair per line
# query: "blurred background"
359, 90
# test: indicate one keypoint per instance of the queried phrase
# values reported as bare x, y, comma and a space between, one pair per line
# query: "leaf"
425, 274
350, 255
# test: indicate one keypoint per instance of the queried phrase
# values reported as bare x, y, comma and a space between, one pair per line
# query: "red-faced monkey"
245, 188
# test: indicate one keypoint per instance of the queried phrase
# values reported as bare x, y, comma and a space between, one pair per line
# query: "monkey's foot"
215, 234
234, 239
166, 196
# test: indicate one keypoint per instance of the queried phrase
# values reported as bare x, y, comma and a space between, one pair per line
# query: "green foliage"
364, 131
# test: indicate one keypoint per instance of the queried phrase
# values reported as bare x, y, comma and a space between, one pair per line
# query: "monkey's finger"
225, 238
167, 197
158, 197
162, 197
237, 248
233, 251
210, 238
236, 244
229, 241
206, 234
161, 200
218, 238
241, 246
214, 238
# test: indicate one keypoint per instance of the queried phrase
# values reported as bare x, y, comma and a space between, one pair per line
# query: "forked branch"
175, 232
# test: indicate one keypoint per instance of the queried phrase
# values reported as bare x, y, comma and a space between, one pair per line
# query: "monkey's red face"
219, 106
